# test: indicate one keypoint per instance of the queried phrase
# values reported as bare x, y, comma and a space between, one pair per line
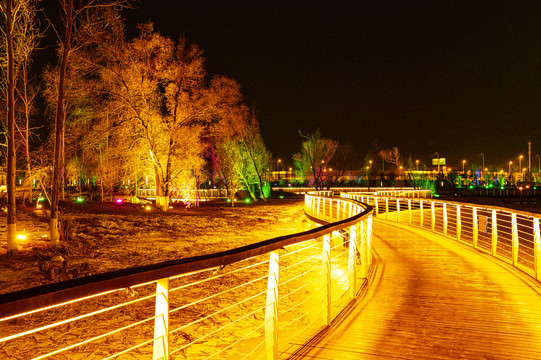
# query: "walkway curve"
432, 298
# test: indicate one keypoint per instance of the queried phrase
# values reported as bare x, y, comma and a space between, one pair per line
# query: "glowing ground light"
437, 195
79, 199
21, 236
118, 200
228, 200
247, 201
41, 198
147, 207
39, 206
281, 196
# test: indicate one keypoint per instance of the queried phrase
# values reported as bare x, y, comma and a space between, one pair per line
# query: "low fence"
258, 301
510, 235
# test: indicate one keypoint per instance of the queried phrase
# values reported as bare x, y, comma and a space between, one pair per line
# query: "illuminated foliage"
313, 160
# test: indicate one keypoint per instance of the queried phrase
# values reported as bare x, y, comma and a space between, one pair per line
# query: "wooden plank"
432, 298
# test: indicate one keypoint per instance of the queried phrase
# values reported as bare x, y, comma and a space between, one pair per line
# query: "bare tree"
316, 153
81, 26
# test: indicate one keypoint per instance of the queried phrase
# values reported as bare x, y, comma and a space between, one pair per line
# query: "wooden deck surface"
431, 298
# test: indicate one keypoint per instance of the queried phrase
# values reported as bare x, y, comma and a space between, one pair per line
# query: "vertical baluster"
409, 211
458, 223
444, 219
271, 309
369, 241
161, 322
421, 215
363, 250
433, 216
514, 238
537, 248
326, 280
494, 242
352, 265
475, 227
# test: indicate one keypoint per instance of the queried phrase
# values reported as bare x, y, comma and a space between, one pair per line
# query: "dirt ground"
103, 237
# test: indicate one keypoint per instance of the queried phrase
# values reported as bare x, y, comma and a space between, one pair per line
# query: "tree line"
116, 109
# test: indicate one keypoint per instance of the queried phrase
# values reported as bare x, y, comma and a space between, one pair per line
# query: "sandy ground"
105, 237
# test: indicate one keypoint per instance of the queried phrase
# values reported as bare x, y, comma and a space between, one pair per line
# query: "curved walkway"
432, 298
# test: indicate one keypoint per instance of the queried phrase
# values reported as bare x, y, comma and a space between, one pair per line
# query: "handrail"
512, 236
351, 224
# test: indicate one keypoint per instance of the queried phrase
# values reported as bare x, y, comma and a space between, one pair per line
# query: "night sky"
459, 78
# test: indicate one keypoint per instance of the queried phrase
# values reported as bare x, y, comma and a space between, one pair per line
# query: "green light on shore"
228, 200
281, 196
247, 201
41, 198
79, 199
437, 195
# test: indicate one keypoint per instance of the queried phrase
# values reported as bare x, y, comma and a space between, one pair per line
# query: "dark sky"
455, 77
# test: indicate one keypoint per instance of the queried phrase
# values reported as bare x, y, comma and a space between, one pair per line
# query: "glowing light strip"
80, 317
223, 310
217, 294
58, 305
236, 342
130, 349
219, 329
95, 338
217, 276
294, 291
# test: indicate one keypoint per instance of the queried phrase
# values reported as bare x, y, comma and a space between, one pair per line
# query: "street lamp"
510, 163
483, 155
417, 164
538, 163
463, 163
520, 162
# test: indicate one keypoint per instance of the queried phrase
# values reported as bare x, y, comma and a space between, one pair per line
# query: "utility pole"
529, 157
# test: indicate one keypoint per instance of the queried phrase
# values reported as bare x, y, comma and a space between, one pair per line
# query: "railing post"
475, 230
397, 210
161, 321
409, 211
494, 242
458, 223
326, 280
271, 309
514, 238
386, 208
352, 264
444, 219
421, 216
537, 248
368, 242
363, 250
433, 217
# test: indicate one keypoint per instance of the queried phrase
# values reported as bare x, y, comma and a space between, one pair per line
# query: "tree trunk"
55, 235
162, 200
11, 216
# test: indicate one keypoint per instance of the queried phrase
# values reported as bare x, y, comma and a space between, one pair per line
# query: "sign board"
435, 161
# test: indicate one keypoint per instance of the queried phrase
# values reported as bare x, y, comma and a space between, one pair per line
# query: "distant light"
520, 188
471, 186
228, 200
39, 206
41, 198
118, 200
281, 196
437, 195
21, 236
247, 201
147, 207
79, 199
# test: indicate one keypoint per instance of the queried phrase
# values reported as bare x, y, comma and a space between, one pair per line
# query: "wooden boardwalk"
432, 298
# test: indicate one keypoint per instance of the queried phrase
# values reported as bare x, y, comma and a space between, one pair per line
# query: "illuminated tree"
391, 156
316, 153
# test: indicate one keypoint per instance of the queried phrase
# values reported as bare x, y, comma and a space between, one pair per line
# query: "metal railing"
510, 235
254, 302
